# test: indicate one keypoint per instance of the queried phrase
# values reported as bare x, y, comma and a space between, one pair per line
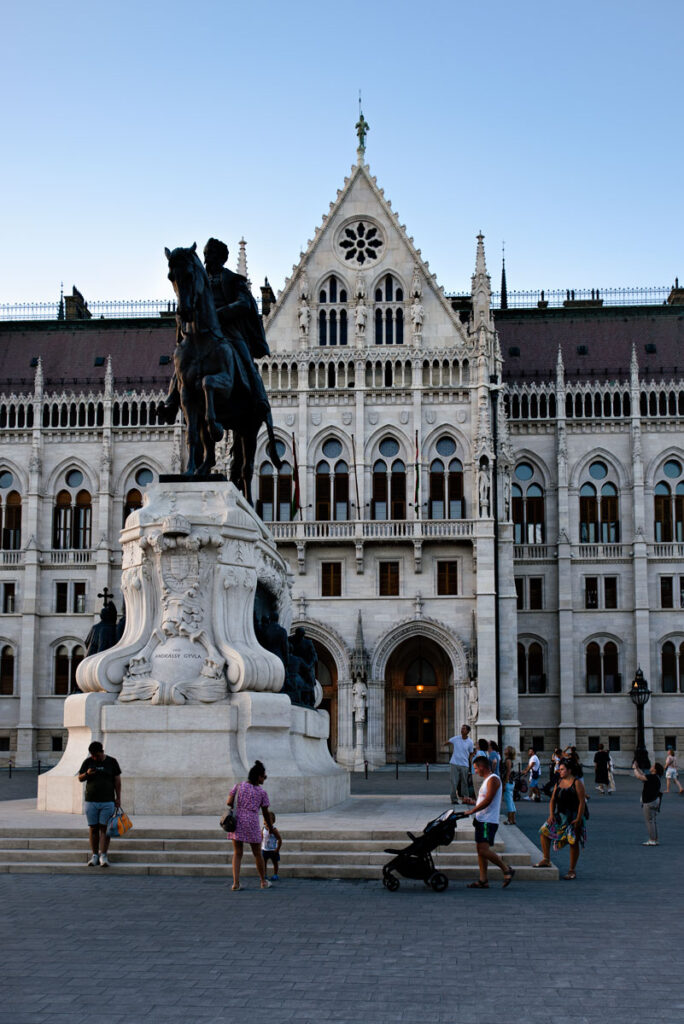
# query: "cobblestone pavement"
153, 949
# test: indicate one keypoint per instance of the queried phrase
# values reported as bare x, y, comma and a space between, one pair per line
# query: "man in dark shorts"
102, 777
486, 811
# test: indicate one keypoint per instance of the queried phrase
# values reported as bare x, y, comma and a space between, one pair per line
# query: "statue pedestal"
188, 698
179, 760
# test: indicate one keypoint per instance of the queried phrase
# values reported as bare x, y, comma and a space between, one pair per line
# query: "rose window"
360, 243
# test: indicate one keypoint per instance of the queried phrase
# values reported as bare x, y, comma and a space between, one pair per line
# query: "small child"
271, 841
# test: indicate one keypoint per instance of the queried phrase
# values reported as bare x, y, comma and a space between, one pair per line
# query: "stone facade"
445, 502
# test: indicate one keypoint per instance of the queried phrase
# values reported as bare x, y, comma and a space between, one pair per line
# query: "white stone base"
184, 759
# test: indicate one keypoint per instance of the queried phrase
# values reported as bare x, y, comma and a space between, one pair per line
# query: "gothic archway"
419, 701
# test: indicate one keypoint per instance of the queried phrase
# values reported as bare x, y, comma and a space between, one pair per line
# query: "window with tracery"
10, 513
389, 312
388, 483
72, 515
332, 313
531, 675
599, 507
668, 504
601, 664
527, 501
332, 483
68, 656
446, 495
274, 503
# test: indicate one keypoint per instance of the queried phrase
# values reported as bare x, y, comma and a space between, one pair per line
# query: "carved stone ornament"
189, 580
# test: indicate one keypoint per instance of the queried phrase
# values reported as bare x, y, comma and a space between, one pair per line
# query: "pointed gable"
359, 242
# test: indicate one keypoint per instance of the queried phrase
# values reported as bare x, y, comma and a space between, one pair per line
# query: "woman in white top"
486, 811
671, 771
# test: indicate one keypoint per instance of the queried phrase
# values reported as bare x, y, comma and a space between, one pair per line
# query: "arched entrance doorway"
326, 673
419, 702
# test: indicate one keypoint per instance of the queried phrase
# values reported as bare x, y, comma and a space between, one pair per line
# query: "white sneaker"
650, 842
104, 863
93, 861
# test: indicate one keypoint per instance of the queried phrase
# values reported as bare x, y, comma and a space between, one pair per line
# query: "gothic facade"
481, 527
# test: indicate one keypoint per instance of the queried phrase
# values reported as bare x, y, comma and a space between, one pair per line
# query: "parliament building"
482, 504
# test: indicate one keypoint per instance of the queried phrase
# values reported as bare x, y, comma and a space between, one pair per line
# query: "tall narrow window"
323, 491
388, 579
274, 502
6, 671
599, 510
11, 526
601, 662
447, 579
133, 501
528, 506
331, 579
398, 485
379, 500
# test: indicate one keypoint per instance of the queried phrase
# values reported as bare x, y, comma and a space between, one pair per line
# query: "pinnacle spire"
504, 292
242, 260
560, 368
481, 290
60, 309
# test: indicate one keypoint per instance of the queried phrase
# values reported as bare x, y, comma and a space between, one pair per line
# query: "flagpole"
356, 479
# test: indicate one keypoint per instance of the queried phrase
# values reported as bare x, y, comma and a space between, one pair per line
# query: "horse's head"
187, 276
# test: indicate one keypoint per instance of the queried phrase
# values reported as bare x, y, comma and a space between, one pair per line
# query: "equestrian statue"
215, 382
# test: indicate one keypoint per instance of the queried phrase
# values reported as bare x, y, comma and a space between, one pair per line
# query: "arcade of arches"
419, 702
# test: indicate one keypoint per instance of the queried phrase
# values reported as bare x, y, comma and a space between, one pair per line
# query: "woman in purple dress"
247, 798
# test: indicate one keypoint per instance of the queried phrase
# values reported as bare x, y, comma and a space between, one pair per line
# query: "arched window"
527, 496
11, 522
672, 666
332, 316
379, 500
388, 483
72, 515
133, 501
274, 503
10, 513
599, 509
668, 504
601, 660
6, 671
446, 500
531, 675
68, 657
389, 313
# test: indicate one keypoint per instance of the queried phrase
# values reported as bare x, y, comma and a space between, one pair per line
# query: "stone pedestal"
188, 699
184, 760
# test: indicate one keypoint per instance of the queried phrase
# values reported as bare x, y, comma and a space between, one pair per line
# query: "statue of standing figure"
359, 701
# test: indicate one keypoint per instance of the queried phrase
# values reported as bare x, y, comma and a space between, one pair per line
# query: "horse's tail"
271, 446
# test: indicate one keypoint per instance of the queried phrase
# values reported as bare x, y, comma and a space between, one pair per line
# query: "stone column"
26, 673
375, 724
485, 596
508, 640
345, 724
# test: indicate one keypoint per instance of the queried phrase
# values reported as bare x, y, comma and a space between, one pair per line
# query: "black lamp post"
640, 695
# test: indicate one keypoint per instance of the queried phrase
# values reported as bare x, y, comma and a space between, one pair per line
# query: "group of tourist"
480, 777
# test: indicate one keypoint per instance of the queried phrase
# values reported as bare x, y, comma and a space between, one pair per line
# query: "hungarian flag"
416, 496
295, 504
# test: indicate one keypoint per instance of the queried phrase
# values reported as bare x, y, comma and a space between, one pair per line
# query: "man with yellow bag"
102, 777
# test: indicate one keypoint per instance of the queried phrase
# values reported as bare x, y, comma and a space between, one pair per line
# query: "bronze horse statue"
211, 389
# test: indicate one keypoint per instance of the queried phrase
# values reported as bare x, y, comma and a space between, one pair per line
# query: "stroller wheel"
438, 881
390, 882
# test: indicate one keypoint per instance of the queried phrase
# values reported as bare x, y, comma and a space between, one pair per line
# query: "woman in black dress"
565, 823
602, 769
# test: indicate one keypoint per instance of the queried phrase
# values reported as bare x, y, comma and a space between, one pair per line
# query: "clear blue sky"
132, 126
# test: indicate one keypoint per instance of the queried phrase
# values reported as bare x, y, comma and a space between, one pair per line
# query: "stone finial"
359, 663
634, 365
109, 378
481, 285
560, 369
38, 379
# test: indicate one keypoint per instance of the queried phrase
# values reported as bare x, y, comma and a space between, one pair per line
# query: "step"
133, 841
322, 871
123, 855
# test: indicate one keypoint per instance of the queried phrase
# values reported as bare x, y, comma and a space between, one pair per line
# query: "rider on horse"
241, 326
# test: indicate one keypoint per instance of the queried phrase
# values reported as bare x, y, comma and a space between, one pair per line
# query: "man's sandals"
508, 878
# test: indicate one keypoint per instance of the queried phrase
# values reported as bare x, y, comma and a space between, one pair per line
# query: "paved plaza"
117, 950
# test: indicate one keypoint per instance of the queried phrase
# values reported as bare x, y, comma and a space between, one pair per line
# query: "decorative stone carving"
304, 317
484, 488
417, 315
473, 703
416, 282
360, 287
359, 701
189, 582
360, 318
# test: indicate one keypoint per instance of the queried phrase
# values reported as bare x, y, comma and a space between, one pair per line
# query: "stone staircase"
202, 852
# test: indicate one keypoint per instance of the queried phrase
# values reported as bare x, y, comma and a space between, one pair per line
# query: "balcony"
11, 558
69, 557
534, 552
598, 552
669, 550
361, 530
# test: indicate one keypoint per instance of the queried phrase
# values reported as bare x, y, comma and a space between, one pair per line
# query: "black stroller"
415, 860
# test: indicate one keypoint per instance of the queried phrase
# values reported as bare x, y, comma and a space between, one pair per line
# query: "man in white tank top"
486, 811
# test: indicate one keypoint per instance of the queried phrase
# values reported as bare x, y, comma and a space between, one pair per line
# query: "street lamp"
640, 695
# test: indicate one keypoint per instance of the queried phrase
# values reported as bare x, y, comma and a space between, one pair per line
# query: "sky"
554, 128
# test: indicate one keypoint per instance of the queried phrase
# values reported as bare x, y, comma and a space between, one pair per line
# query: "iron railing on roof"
558, 297
99, 310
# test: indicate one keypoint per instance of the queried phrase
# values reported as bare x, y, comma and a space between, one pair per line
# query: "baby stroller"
415, 860
520, 786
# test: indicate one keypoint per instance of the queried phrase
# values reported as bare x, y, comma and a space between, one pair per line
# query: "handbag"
229, 820
119, 823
